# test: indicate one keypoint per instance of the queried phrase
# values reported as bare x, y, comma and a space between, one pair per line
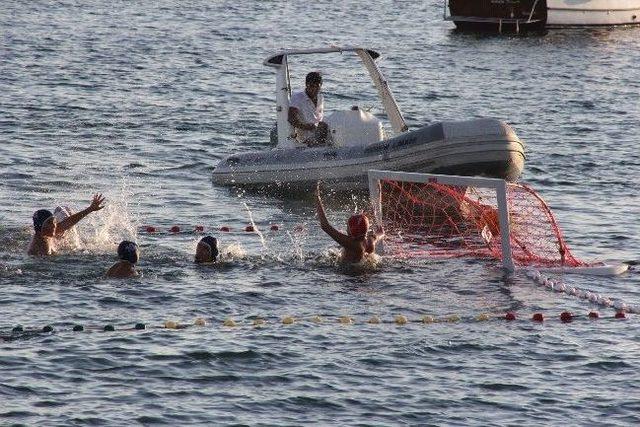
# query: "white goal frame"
496, 184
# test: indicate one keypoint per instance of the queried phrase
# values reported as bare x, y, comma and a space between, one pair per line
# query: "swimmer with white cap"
126, 265
46, 226
207, 250
358, 242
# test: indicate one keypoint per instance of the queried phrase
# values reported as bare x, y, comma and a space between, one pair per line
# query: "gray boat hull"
483, 147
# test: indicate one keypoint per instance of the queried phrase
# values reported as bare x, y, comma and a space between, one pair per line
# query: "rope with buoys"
19, 331
195, 229
592, 297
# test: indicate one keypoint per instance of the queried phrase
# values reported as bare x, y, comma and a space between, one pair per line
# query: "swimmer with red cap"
358, 242
126, 265
46, 226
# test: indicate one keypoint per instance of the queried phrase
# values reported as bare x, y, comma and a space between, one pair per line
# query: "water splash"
232, 252
354, 200
297, 240
112, 224
255, 227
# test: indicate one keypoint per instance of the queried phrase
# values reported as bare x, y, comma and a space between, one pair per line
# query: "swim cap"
212, 244
128, 251
39, 217
61, 213
358, 225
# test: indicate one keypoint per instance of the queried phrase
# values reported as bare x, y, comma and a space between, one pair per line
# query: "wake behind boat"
485, 147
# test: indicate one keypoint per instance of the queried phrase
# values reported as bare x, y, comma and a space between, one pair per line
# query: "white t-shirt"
308, 112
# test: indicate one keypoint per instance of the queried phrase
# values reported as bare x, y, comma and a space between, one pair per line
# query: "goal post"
445, 187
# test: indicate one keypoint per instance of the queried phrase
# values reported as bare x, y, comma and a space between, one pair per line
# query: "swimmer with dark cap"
207, 250
46, 226
126, 266
358, 242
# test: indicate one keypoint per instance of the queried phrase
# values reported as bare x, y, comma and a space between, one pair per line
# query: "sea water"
140, 100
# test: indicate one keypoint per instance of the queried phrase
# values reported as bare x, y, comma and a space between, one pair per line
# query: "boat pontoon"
485, 147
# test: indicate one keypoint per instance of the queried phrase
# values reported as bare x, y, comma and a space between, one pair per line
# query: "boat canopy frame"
279, 61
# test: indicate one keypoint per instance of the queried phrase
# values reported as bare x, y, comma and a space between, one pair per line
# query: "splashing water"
112, 224
354, 200
297, 241
255, 227
232, 252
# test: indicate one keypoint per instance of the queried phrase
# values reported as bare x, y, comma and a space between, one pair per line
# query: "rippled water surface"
140, 100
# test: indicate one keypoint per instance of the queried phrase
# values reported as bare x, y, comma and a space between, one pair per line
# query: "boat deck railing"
499, 22
483, 20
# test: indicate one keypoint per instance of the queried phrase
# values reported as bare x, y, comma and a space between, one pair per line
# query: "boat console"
354, 127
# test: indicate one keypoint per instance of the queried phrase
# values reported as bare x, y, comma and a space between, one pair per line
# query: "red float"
199, 228
274, 227
175, 229
150, 229
225, 229
621, 315
594, 315
510, 316
249, 228
537, 317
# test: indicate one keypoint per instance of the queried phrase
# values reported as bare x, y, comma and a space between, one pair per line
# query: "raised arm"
341, 238
96, 204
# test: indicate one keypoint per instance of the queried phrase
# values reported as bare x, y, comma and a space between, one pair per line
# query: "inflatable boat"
484, 147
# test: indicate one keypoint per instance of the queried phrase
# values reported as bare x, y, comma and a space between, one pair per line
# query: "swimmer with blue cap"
207, 250
126, 266
46, 227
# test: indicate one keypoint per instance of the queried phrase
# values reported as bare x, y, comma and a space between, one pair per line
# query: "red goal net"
437, 220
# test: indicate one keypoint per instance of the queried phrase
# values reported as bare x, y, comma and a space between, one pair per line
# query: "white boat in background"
486, 147
571, 13
522, 15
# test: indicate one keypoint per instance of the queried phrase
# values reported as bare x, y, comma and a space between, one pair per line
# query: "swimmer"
207, 250
358, 242
46, 227
126, 266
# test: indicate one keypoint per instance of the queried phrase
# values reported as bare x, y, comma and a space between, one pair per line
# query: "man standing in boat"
306, 112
